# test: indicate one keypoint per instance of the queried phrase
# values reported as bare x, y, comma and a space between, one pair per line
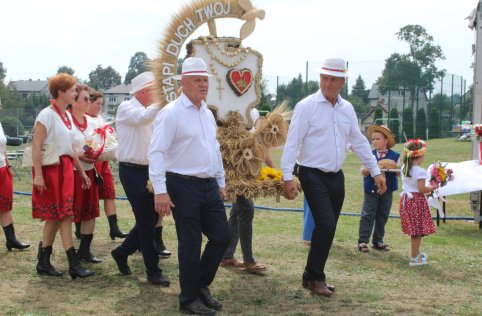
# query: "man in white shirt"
134, 130
322, 126
186, 170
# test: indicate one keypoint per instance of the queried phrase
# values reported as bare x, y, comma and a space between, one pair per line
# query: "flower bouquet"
101, 145
476, 135
439, 174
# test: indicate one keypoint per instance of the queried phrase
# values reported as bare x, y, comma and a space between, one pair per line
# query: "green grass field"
367, 284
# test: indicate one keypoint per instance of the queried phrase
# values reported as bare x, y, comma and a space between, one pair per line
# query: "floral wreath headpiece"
417, 152
413, 153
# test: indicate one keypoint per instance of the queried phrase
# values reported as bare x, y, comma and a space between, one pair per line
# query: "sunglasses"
86, 99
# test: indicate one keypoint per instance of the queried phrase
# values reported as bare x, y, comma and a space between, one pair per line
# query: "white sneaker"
424, 257
415, 261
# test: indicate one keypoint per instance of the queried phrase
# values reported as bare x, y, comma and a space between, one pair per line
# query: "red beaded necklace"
64, 117
80, 126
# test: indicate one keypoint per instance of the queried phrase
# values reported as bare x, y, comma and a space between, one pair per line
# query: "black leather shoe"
121, 263
196, 307
158, 280
208, 300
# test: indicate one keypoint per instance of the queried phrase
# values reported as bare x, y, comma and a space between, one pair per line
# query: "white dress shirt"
318, 136
184, 141
133, 123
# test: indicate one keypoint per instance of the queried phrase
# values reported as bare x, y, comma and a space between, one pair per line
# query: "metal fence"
449, 95
18, 122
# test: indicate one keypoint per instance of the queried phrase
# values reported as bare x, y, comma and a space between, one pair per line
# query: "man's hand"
163, 204
222, 192
290, 190
381, 184
365, 172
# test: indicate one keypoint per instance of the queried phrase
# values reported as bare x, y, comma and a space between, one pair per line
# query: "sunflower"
248, 158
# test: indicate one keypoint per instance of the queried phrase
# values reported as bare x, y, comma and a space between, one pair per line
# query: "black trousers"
134, 180
325, 193
198, 210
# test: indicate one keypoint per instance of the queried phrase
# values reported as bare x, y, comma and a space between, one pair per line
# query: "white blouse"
80, 138
3, 147
57, 132
410, 184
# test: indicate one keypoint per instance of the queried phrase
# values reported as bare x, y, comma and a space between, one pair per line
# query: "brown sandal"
363, 247
254, 267
231, 263
381, 246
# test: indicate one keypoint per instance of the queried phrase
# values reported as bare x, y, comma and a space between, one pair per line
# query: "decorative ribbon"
102, 131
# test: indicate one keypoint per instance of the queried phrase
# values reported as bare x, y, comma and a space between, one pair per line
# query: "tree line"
414, 72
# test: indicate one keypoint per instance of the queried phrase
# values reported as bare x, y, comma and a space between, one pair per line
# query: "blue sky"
39, 36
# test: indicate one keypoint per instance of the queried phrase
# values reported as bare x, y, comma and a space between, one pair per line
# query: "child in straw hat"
376, 207
414, 212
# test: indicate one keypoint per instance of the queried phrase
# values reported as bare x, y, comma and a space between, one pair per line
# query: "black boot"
114, 228
77, 229
44, 266
12, 241
159, 244
75, 269
84, 249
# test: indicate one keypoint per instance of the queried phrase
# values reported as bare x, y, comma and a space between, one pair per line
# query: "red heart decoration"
240, 80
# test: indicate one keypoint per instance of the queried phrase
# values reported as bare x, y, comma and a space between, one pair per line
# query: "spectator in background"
6, 197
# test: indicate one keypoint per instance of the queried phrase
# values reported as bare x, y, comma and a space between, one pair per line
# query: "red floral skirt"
56, 201
86, 202
6, 190
415, 215
107, 189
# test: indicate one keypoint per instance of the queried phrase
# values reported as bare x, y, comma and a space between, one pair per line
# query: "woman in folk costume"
53, 185
106, 189
86, 201
6, 196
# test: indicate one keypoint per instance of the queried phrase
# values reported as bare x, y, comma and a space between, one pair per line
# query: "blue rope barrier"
296, 210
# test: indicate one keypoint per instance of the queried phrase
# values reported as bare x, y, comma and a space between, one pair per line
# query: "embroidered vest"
392, 181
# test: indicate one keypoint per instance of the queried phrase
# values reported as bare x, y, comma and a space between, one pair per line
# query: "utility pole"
475, 197
477, 114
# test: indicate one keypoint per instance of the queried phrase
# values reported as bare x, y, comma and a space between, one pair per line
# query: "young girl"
414, 212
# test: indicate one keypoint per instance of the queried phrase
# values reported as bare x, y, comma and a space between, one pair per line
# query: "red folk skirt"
415, 215
6, 190
107, 189
86, 202
56, 201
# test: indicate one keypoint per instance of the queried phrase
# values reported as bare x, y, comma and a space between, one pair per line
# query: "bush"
408, 123
421, 124
10, 124
434, 124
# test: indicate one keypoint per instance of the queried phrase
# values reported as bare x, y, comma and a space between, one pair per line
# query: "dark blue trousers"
198, 210
134, 180
325, 193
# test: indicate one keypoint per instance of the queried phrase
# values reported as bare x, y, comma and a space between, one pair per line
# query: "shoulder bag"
48, 153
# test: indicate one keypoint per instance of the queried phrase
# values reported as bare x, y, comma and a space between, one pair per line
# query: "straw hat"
335, 67
142, 81
193, 66
384, 130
